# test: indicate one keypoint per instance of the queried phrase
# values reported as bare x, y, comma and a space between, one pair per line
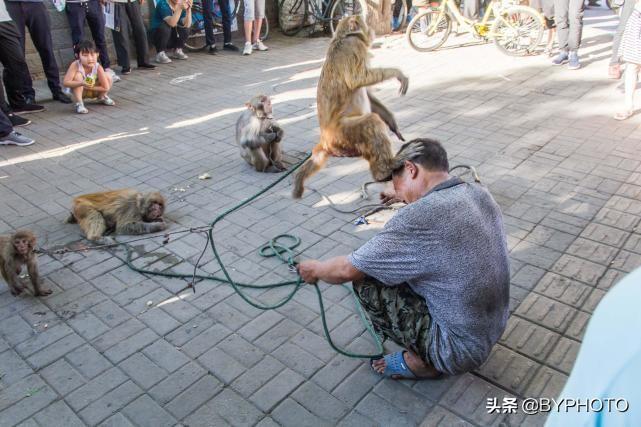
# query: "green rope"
274, 248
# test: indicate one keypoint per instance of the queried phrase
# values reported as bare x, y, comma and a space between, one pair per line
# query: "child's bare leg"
631, 74
77, 91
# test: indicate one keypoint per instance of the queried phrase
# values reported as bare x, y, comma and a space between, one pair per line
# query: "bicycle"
515, 30
196, 40
293, 15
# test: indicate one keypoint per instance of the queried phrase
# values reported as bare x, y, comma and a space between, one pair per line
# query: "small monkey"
259, 136
16, 250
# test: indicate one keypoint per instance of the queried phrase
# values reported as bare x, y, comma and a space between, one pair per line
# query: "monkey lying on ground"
121, 211
16, 250
352, 121
259, 136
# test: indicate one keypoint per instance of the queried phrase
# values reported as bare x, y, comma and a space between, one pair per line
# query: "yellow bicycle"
515, 30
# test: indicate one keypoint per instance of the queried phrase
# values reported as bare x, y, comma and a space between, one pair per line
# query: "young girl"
86, 78
630, 53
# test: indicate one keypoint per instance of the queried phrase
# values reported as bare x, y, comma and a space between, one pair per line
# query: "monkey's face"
155, 211
261, 105
23, 245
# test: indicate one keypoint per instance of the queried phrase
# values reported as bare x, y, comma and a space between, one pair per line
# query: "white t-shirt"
4, 15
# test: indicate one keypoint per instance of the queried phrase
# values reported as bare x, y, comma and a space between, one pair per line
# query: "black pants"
166, 37
36, 18
16, 74
92, 12
128, 14
209, 21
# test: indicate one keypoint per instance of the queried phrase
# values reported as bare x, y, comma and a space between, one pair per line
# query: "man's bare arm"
335, 271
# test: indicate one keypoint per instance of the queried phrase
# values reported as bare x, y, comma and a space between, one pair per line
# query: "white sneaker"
15, 138
248, 49
111, 73
81, 109
162, 58
259, 45
107, 101
179, 54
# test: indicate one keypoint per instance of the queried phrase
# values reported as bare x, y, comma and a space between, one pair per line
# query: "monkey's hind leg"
259, 159
92, 223
309, 168
368, 134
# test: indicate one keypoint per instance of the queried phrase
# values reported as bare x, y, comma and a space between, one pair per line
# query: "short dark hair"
427, 152
85, 46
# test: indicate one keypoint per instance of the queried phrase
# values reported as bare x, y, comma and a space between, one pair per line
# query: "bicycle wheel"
399, 14
428, 30
517, 31
196, 39
292, 15
343, 8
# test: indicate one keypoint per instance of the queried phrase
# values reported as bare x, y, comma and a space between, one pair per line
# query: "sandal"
623, 115
395, 367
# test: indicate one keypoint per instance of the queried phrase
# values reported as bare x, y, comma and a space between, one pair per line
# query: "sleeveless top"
90, 78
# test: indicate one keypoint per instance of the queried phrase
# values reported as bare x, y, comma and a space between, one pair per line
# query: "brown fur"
352, 122
122, 211
16, 250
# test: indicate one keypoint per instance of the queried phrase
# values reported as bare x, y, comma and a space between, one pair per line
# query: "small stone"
204, 176
150, 303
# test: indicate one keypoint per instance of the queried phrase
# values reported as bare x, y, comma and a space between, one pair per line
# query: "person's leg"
209, 23
27, 92
575, 24
37, 20
398, 313
76, 14
121, 38
631, 74
181, 37
140, 34
248, 23
96, 20
16, 74
259, 14
5, 125
562, 30
162, 36
471, 9
224, 10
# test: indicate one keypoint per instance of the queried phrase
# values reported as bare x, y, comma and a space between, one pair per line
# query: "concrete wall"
61, 35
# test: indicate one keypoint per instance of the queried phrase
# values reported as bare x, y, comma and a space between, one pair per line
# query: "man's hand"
389, 197
308, 271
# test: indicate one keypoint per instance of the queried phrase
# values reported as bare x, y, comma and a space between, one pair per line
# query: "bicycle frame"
479, 28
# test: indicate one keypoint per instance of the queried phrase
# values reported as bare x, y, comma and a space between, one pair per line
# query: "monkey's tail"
71, 219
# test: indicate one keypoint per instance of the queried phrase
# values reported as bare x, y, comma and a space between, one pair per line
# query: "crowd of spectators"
90, 75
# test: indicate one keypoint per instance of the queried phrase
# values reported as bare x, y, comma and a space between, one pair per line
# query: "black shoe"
213, 50
125, 71
146, 66
17, 120
27, 108
229, 46
60, 96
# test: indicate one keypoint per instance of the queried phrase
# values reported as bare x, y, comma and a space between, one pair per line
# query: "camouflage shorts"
397, 313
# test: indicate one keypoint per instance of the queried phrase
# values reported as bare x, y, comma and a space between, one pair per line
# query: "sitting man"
435, 280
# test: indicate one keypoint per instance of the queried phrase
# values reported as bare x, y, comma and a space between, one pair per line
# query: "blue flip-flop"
396, 368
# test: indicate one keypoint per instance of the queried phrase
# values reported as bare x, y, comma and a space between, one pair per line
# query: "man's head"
419, 165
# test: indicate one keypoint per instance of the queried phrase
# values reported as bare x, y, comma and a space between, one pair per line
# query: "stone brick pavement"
568, 179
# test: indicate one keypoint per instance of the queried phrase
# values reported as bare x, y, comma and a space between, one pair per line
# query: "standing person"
614, 70
33, 15
127, 13
79, 11
436, 279
16, 74
254, 15
630, 52
170, 26
568, 17
209, 26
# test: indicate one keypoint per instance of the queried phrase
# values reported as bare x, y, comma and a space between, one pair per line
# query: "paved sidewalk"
115, 348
